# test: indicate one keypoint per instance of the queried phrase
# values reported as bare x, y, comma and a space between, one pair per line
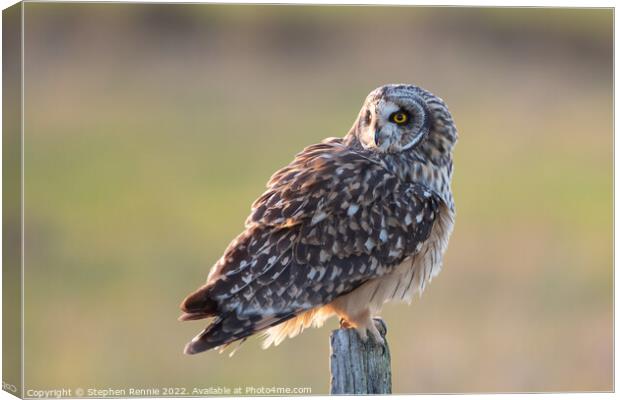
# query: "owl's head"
398, 118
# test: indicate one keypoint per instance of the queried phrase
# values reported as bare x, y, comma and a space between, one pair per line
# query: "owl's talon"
376, 335
381, 325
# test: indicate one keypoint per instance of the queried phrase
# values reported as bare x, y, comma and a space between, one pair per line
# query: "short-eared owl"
348, 225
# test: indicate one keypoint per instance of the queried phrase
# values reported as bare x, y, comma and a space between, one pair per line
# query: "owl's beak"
377, 137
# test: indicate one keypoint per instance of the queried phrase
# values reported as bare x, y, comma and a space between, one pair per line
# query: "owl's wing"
329, 221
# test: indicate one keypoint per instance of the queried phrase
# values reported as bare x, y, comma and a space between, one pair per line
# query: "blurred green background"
150, 129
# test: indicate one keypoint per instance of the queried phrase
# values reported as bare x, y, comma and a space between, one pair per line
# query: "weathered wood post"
357, 367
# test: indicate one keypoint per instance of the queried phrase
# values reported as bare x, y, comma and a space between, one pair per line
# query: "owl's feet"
371, 327
365, 326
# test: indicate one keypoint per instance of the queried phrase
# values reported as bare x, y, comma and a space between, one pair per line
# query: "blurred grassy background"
150, 129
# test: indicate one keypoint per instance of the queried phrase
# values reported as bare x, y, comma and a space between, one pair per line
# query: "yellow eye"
399, 117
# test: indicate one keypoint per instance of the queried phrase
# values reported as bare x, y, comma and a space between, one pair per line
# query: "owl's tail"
226, 327
198, 305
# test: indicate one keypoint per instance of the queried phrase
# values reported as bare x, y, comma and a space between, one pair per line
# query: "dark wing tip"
200, 343
190, 349
209, 338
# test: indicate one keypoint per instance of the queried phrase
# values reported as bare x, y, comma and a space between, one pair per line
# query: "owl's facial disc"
391, 125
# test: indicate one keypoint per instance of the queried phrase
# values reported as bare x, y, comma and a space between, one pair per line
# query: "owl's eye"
399, 117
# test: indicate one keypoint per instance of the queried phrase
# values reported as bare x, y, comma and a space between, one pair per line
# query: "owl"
350, 224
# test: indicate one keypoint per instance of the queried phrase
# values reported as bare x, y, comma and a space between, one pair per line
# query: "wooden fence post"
357, 367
